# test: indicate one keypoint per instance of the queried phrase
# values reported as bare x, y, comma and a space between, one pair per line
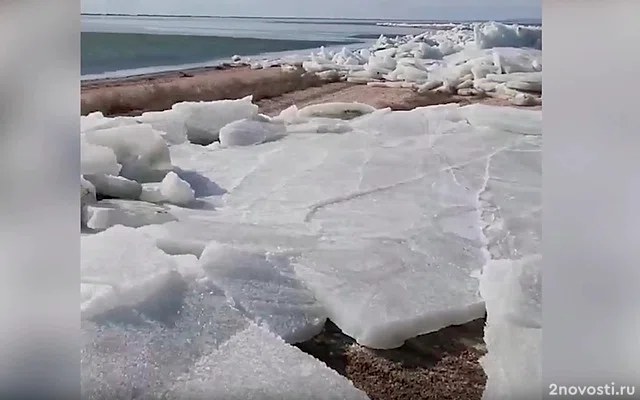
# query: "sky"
389, 9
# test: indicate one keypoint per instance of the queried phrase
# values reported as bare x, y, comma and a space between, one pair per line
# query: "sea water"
128, 45
125, 45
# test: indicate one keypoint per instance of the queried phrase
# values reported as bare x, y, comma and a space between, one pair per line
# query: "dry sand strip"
273, 90
157, 92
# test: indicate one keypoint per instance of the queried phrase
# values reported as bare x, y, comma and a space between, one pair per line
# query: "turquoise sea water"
128, 45
104, 52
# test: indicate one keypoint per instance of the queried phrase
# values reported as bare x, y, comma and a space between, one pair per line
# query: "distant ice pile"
219, 235
494, 59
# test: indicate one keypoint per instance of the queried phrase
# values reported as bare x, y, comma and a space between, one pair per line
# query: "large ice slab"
388, 222
264, 287
115, 186
510, 283
525, 122
256, 365
250, 131
151, 327
513, 363
139, 351
126, 262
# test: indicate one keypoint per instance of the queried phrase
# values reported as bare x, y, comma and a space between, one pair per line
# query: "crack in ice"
356, 195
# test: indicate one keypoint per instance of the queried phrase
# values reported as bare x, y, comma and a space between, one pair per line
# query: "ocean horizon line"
503, 20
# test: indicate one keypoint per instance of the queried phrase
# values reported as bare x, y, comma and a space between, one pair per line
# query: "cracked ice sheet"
510, 283
513, 334
148, 344
393, 211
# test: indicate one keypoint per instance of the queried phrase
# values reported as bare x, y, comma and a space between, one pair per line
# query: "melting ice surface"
381, 226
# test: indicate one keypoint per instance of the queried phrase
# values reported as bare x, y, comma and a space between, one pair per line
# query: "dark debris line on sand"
440, 365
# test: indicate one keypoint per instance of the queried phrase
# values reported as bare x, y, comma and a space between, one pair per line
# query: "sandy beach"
441, 365
273, 90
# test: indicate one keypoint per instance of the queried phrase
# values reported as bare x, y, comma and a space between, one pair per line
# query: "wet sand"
440, 365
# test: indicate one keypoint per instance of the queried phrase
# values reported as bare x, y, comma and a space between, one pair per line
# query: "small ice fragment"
175, 190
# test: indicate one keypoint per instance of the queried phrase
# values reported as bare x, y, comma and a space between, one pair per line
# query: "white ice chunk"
525, 122
524, 99
108, 213
363, 78
205, 119
151, 193
90, 120
176, 190
530, 77
428, 86
495, 34
535, 87
257, 365
115, 186
127, 261
288, 115
248, 132
170, 123
485, 85
96, 159
331, 75
336, 110
467, 92
410, 73
316, 66
264, 287
510, 60
87, 197
385, 84
513, 335
465, 84
97, 120
139, 148
189, 266
481, 71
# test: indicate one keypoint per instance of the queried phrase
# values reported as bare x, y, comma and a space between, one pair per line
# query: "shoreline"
159, 91
273, 89
159, 74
